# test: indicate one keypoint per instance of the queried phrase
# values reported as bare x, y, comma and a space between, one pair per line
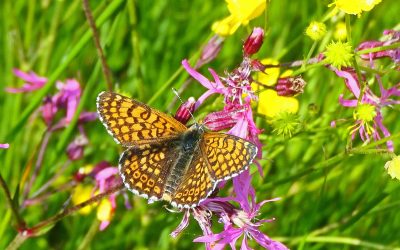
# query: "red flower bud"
253, 43
290, 86
183, 112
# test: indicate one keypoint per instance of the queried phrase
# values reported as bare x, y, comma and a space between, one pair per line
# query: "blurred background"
330, 199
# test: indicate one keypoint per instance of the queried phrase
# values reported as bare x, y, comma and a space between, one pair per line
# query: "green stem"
164, 87
361, 244
49, 41
303, 67
363, 84
99, 49
29, 24
377, 49
94, 228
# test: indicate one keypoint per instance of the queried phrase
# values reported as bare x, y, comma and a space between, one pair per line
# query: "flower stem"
38, 164
303, 67
14, 209
38, 228
92, 25
377, 49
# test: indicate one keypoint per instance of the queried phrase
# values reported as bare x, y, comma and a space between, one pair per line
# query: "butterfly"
164, 159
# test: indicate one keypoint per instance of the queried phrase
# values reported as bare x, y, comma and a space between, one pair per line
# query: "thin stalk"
92, 25
38, 163
37, 229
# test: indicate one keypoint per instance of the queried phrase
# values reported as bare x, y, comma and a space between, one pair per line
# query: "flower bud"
48, 111
253, 43
316, 30
210, 51
220, 120
183, 114
75, 148
290, 86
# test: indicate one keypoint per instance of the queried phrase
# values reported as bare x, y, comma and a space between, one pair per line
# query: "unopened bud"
75, 148
220, 120
290, 86
210, 51
48, 110
183, 114
253, 43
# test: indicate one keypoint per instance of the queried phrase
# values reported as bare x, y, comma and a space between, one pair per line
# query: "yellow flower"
340, 31
105, 210
339, 54
269, 77
393, 167
355, 7
82, 193
271, 104
241, 12
316, 30
364, 112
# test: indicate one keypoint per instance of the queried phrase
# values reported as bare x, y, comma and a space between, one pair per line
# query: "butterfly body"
164, 159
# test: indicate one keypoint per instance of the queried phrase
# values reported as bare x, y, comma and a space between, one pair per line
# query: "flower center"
365, 113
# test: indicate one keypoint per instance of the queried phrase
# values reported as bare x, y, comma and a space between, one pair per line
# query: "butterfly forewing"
131, 122
145, 169
196, 184
227, 155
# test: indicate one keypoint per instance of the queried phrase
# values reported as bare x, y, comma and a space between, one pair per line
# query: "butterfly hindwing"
132, 123
145, 169
196, 184
227, 155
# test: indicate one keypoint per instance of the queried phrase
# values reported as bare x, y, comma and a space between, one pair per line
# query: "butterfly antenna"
180, 99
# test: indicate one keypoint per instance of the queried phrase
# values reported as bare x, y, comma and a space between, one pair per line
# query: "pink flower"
237, 222
32, 82
76, 147
106, 177
5, 145
68, 97
377, 129
392, 36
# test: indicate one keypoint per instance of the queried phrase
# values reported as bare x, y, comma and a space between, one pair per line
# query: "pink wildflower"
377, 129
32, 82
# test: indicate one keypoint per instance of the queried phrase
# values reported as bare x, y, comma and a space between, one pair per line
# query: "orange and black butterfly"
164, 159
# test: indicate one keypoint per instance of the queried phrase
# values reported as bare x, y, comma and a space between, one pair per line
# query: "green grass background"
330, 199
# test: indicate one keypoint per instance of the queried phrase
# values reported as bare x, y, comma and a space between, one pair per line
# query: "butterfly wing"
144, 169
196, 185
132, 123
227, 155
